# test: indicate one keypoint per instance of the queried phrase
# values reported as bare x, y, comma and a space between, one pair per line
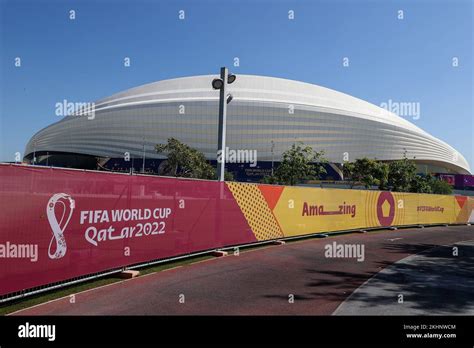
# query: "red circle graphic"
385, 197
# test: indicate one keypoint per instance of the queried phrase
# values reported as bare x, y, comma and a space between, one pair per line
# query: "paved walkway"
431, 283
262, 281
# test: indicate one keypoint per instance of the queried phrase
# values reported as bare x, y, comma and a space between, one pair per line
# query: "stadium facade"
266, 114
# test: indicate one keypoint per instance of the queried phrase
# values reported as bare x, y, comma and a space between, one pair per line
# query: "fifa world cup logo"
66, 203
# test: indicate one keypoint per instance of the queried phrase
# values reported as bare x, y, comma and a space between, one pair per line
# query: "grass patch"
29, 301
167, 265
33, 300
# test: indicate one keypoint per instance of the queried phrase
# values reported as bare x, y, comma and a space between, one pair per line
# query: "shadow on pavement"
435, 281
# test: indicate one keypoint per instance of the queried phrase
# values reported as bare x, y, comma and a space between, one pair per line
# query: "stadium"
266, 115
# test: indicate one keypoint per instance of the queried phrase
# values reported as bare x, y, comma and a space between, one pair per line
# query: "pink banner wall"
85, 222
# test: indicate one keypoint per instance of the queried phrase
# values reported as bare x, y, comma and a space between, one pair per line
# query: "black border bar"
228, 330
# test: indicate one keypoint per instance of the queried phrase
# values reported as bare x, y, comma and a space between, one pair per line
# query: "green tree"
430, 184
348, 170
270, 179
299, 163
380, 173
401, 174
421, 184
368, 172
228, 176
440, 187
184, 161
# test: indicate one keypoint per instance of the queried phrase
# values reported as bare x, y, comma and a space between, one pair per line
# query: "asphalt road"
264, 281
434, 282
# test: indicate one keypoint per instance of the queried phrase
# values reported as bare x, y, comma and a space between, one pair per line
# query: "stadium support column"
222, 124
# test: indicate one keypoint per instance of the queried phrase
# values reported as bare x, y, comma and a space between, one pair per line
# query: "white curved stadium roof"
323, 118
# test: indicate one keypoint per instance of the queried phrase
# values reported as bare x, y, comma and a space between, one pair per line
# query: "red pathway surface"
258, 281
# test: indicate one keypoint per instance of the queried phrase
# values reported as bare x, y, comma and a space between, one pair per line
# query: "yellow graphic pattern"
301, 210
371, 208
256, 210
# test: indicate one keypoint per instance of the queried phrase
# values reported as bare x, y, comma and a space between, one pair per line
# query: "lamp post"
143, 164
34, 152
224, 99
273, 146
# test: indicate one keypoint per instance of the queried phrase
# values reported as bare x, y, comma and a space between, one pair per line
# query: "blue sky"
407, 60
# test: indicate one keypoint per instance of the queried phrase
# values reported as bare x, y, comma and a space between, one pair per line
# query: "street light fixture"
231, 78
224, 99
217, 83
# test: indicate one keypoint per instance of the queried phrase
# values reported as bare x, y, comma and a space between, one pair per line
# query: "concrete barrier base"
219, 253
129, 274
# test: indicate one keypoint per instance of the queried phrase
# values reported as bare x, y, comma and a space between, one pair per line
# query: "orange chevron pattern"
256, 210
